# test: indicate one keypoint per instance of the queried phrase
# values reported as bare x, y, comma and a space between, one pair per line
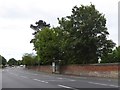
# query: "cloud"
17, 15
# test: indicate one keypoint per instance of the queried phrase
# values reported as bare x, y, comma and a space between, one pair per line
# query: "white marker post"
99, 60
53, 66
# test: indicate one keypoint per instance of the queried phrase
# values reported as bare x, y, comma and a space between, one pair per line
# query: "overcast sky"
17, 15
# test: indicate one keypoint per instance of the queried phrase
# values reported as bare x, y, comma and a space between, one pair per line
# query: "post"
99, 60
53, 67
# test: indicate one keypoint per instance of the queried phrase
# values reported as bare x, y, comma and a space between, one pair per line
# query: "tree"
3, 61
118, 54
29, 59
81, 38
0, 60
48, 45
19, 62
86, 35
46, 42
12, 61
113, 57
38, 27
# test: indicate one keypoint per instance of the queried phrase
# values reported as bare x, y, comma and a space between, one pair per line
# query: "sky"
17, 15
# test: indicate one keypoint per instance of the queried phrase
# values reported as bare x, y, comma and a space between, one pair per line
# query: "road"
18, 77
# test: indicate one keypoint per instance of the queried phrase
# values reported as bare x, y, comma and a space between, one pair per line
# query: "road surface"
18, 77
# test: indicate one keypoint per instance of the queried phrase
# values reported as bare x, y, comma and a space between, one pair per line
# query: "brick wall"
47, 69
94, 70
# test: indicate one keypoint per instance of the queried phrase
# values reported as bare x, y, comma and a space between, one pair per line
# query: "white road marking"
109, 80
40, 80
64, 86
56, 80
52, 80
66, 79
103, 84
23, 76
59, 78
114, 86
67, 87
71, 80
98, 83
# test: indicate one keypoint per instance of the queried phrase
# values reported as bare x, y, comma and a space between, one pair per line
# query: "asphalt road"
18, 77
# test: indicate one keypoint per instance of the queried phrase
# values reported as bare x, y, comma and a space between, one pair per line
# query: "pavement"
20, 78
0, 79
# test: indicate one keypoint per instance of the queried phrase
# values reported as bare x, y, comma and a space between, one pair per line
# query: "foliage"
47, 45
3, 61
0, 60
28, 59
12, 61
39, 25
81, 38
87, 35
113, 57
19, 62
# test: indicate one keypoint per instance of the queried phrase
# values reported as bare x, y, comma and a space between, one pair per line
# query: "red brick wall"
96, 70
73, 68
47, 69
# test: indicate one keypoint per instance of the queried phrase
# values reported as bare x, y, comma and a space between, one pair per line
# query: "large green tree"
46, 42
48, 45
86, 35
81, 38
37, 28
